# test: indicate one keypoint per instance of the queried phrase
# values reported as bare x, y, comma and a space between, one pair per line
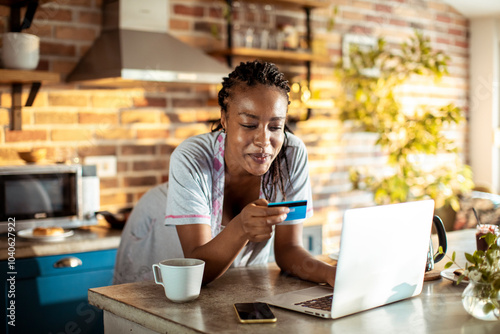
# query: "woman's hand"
330, 275
257, 219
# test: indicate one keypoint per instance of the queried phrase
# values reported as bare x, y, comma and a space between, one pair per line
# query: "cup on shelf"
20, 51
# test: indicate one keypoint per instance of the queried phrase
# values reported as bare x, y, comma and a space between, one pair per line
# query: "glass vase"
481, 301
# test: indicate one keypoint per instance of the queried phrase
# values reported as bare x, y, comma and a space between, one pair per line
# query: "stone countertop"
143, 305
84, 239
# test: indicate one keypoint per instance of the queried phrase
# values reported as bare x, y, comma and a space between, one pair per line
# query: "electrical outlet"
106, 165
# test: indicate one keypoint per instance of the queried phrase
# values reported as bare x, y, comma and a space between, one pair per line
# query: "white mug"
181, 278
20, 51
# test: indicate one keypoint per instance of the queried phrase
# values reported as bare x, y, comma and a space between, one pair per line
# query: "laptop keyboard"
321, 303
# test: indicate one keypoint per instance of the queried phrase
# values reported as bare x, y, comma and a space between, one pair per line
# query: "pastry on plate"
48, 231
460, 272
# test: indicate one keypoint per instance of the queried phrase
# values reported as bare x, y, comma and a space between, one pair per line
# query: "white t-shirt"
196, 187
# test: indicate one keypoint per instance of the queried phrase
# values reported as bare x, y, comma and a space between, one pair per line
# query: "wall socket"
106, 165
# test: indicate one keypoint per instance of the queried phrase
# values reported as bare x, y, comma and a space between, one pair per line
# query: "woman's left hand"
330, 275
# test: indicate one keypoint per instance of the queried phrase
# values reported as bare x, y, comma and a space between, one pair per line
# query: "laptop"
382, 257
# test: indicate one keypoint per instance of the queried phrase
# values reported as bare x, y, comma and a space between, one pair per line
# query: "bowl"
34, 155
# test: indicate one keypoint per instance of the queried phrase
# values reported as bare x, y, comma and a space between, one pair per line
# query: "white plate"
28, 234
448, 274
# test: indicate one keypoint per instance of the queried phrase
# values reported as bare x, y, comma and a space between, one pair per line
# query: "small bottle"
249, 38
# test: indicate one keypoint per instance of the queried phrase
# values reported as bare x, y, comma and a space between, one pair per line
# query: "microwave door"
38, 196
36, 200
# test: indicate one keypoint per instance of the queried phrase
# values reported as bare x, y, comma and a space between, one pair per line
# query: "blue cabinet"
50, 292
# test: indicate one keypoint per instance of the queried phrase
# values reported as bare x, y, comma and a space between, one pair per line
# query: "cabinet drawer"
55, 298
62, 264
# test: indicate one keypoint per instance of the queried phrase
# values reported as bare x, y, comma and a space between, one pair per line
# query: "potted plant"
369, 103
481, 297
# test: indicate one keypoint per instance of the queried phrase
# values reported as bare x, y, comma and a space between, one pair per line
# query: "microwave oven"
48, 195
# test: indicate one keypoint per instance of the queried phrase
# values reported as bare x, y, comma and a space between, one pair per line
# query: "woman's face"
254, 124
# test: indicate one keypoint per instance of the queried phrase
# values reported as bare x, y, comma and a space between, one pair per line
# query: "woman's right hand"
257, 219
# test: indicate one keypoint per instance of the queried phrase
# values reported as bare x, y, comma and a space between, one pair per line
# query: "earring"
224, 130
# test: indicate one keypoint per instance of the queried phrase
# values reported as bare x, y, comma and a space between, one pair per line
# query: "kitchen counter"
143, 308
84, 239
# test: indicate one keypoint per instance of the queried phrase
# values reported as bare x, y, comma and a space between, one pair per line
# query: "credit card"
297, 209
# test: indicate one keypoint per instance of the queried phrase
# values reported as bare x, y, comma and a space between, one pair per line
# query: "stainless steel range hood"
134, 48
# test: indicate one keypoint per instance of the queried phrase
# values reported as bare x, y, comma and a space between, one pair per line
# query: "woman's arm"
291, 257
254, 223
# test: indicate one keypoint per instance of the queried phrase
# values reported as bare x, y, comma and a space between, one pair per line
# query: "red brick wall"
141, 127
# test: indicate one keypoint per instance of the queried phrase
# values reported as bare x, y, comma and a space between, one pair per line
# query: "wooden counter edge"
98, 298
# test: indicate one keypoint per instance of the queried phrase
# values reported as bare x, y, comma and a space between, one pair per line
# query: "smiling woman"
220, 183
257, 94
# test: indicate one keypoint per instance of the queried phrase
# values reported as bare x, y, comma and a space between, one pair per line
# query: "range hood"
134, 48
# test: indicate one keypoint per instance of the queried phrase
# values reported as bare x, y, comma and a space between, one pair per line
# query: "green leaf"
488, 307
448, 265
490, 238
470, 258
496, 284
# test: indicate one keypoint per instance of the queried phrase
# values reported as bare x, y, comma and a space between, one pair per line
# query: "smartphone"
254, 313
298, 209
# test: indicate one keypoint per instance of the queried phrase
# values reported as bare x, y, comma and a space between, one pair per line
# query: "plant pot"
481, 301
20, 51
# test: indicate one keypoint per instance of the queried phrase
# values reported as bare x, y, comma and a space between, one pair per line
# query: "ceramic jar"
20, 51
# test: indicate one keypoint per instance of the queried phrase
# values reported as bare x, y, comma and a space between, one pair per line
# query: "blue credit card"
297, 209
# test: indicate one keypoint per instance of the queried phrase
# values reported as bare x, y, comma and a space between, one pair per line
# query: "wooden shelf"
21, 3
16, 79
27, 77
274, 55
278, 56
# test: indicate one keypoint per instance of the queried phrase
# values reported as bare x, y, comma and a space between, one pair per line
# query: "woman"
220, 183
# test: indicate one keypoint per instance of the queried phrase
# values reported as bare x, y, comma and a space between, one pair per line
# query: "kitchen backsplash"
141, 126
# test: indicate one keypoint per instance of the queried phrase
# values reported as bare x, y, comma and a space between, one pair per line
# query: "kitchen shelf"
274, 55
17, 78
22, 3
8, 76
279, 56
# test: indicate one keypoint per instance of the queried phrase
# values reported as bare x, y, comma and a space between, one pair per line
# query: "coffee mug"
181, 278
432, 257
20, 51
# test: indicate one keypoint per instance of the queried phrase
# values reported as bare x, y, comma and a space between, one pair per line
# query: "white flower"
475, 275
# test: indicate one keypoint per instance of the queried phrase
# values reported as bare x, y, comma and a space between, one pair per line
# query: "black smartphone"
253, 313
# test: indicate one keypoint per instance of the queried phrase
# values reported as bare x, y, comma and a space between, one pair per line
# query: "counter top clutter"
84, 239
143, 308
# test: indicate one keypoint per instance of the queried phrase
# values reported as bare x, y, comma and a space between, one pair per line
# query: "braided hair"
251, 74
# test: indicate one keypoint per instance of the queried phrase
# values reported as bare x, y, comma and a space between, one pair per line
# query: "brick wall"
142, 126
